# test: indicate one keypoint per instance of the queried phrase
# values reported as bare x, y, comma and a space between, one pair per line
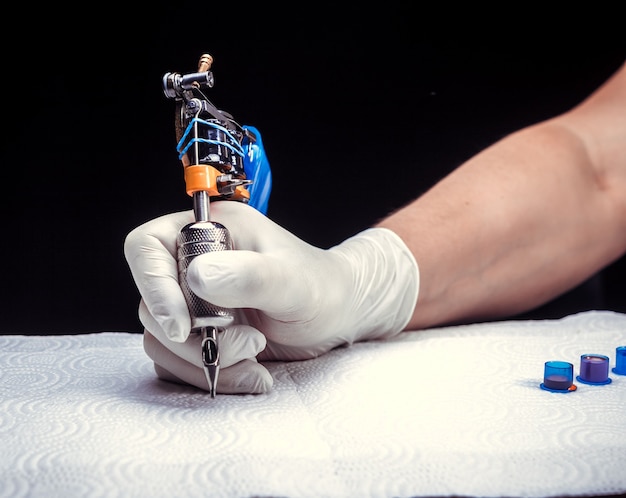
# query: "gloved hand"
304, 300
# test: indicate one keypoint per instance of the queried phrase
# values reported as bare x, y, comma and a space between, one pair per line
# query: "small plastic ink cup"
620, 361
558, 377
594, 369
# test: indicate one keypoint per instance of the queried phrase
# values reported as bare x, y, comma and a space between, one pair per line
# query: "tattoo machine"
221, 159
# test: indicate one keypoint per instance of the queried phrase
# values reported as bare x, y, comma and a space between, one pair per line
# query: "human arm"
521, 222
526, 219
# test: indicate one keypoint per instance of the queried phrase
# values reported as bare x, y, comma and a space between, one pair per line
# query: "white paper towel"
454, 411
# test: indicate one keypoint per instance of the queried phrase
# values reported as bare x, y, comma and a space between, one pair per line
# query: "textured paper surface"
449, 411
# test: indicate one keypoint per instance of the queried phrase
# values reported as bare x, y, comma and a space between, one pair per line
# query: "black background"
359, 112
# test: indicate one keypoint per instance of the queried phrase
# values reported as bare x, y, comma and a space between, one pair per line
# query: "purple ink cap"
620, 360
594, 369
558, 377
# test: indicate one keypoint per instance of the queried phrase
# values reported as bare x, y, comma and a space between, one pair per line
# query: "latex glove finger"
245, 377
236, 343
150, 251
236, 279
294, 309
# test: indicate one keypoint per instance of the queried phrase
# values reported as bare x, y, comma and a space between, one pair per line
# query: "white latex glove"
305, 300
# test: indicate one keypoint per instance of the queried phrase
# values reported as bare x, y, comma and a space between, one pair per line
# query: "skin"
527, 219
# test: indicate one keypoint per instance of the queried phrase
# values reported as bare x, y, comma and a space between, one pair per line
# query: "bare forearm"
516, 225
495, 240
